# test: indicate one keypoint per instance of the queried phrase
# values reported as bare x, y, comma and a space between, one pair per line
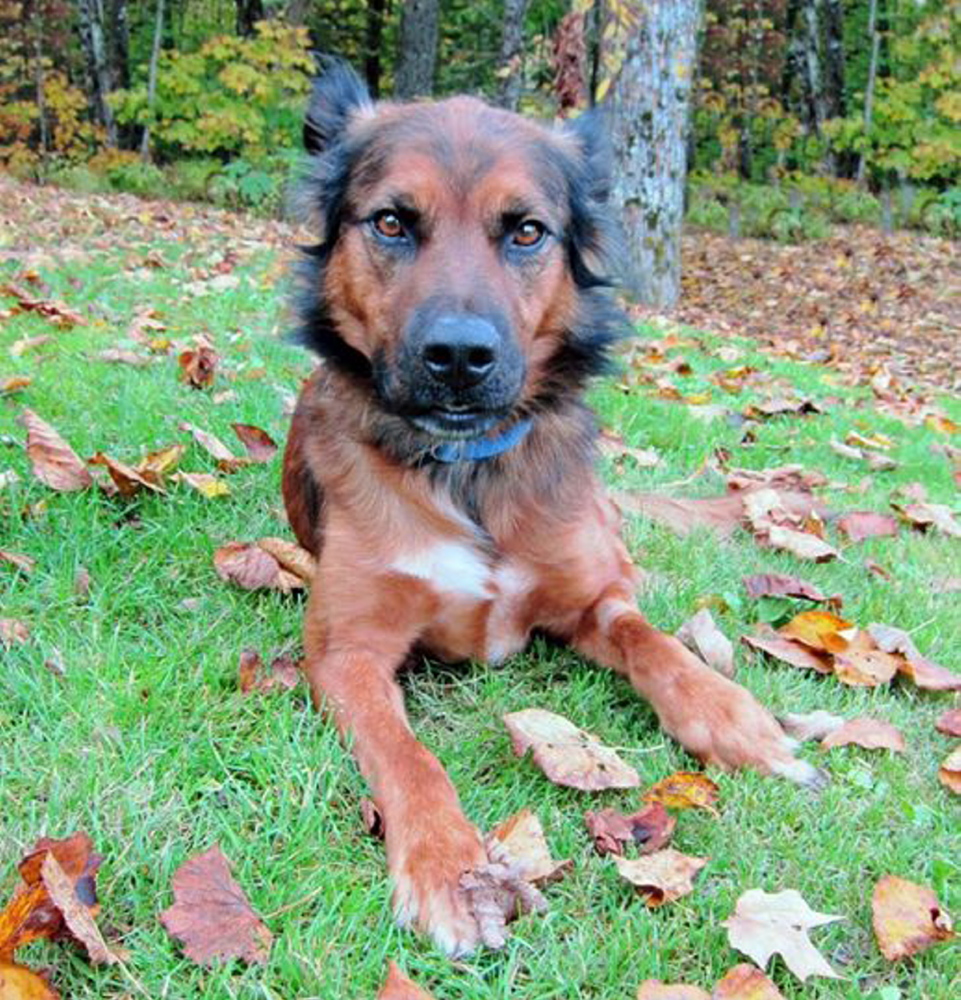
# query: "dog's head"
462, 254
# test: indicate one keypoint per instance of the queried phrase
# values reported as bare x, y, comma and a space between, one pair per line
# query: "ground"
121, 715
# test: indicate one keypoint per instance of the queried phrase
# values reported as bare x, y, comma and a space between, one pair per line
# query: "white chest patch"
449, 567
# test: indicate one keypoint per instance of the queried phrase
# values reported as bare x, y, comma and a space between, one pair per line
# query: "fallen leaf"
820, 630
26, 344
861, 524
949, 773
702, 636
774, 525
781, 585
802, 544
810, 726
685, 790
129, 481
157, 464
654, 989
788, 650
121, 356
65, 895
745, 982
863, 664
764, 924
398, 987
613, 446
12, 631
291, 557
204, 483
249, 566
567, 755
950, 722
930, 515
225, 458
872, 734
661, 877
20, 983
923, 672
14, 383
248, 670
54, 462
198, 366
907, 918
211, 915
723, 514
22, 562
260, 446
81, 582
282, 673
522, 837
648, 830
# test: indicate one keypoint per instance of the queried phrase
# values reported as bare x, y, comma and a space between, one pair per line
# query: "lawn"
141, 738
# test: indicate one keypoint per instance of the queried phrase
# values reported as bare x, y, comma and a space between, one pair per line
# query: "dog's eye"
529, 234
388, 225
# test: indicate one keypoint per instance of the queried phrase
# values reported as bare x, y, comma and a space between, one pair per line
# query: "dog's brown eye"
529, 233
388, 225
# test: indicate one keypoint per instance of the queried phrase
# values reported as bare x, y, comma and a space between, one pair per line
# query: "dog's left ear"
590, 134
338, 95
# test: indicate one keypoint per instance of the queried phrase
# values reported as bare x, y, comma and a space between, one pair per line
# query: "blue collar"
477, 449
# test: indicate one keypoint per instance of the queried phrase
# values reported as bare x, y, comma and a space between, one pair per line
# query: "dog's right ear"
338, 95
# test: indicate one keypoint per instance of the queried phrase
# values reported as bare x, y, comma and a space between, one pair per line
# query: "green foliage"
232, 97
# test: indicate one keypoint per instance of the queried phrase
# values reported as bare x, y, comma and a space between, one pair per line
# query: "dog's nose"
460, 351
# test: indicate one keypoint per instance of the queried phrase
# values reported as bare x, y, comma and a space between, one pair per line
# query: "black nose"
460, 351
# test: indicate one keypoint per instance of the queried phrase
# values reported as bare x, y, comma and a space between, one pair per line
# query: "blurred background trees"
791, 113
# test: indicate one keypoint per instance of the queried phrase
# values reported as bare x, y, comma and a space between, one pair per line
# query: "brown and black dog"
441, 460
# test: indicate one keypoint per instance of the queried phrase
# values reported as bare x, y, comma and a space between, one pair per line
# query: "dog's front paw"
427, 864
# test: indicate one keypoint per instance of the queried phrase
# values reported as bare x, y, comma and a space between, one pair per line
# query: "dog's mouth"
455, 423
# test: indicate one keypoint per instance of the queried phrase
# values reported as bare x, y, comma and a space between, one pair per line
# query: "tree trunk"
834, 58
120, 44
373, 37
812, 64
249, 12
152, 79
875, 37
509, 64
91, 15
649, 108
417, 53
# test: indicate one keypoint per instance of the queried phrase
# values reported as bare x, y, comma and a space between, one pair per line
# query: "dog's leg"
716, 720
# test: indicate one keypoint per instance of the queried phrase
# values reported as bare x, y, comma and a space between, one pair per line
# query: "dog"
440, 461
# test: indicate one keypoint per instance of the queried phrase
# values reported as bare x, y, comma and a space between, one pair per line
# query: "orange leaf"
685, 790
648, 830
863, 664
949, 774
54, 462
950, 722
20, 983
907, 918
522, 837
819, 630
745, 982
260, 446
788, 651
654, 989
398, 987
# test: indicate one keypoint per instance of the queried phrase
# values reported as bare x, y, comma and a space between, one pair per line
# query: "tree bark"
875, 37
152, 79
249, 12
649, 106
120, 44
417, 53
512, 45
91, 14
834, 58
373, 37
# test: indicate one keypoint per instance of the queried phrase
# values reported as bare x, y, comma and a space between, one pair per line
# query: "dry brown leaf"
745, 982
764, 924
861, 524
949, 773
923, 672
781, 585
810, 726
26, 344
661, 877
64, 894
211, 915
613, 446
774, 525
567, 755
788, 650
802, 544
820, 630
122, 356
863, 664
18, 559
20, 983
682, 516
648, 830
128, 480
685, 790
205, 483
654, 989
523, 840
12, 631
907, 918
198, 366
930, 515
54, 462
248, 670
398, 987
291, 557
251, 567
14, 383
260, 446
872, 734
225, 458
157, 464
282, 673
702, 636
949, 722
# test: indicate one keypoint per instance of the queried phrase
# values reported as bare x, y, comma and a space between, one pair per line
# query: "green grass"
147, 745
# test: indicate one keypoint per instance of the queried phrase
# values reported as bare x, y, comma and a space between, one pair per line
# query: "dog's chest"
481, 601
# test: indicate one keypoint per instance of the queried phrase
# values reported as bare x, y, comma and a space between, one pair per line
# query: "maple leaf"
522, 838
950, 722
781, 585
654, 989
685, 790
649, 829
949, 773
745, 982
923, 672
907, 918
861, 524
567, 755
260, 446
872, 734
764, 924
54, 462
702, 636
398, 987
211, 915
788, 650
661, 877
198, 366
810, 726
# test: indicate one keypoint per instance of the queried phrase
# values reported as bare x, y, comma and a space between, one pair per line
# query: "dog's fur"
464, 559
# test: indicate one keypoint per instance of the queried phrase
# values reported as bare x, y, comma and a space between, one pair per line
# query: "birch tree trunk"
512, 44
152, 79
649, 107
417, 53
91, 15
